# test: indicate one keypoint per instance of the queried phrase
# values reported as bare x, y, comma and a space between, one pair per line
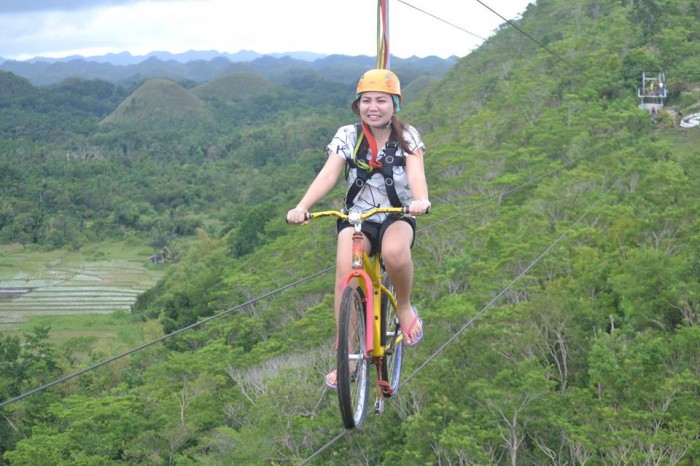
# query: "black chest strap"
365, 172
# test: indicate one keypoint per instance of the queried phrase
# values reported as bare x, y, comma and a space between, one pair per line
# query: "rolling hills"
556, 276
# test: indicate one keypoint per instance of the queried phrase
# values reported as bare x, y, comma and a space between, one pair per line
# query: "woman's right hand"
297, 215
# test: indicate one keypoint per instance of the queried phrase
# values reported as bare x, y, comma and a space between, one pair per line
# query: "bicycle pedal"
379, 406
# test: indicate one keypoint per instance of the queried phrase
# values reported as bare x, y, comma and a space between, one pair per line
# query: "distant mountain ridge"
126, 58
203, 66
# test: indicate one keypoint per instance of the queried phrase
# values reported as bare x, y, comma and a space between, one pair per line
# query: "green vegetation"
96, 335
99, 278
565, 224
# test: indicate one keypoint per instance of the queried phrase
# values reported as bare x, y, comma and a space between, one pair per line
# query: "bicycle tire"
393, 346
352, 379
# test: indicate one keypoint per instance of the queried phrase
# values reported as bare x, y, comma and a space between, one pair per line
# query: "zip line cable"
471, 321
160, 339
327, 445
523, 32
486, 307
440, 19
382, 59
511, 23
383, 49
259, 298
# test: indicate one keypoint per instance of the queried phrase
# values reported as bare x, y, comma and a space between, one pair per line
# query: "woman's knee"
396, 243
397, 258
396, 253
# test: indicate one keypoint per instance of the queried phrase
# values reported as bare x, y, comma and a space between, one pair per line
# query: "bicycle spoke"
393, 345
353, 365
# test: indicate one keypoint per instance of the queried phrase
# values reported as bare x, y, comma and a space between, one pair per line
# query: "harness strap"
388, 172
365, 171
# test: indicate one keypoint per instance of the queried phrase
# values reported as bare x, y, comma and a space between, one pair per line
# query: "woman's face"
376, 108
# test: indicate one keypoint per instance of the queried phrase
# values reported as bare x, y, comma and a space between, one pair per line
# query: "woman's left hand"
419, 207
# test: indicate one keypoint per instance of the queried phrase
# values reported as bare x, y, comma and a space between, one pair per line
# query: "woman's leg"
396, 253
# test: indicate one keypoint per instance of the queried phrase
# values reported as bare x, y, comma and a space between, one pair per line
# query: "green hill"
160, 104
237, 86
557, 274
13, 86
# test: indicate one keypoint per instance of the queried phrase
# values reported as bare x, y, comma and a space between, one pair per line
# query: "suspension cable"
515, 280
160, 339
383, 61
488, 305
523, 32
511, 23
259, 298
443, 20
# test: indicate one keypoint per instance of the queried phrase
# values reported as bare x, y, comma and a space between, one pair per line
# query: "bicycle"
368, 329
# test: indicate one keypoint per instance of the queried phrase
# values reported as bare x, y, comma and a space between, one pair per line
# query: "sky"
62, 28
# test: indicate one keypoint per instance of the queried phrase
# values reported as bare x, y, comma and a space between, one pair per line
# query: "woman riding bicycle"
385, 157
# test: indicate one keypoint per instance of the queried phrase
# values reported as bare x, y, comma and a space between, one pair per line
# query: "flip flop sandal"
353, 378
330, 384
413, 342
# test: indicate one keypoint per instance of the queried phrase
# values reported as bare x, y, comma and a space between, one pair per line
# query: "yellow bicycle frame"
368, 272
369, 275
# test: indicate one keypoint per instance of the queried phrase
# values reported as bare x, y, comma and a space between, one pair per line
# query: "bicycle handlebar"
345, 215
358, 216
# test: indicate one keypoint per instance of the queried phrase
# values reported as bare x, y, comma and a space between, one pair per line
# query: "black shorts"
375, 231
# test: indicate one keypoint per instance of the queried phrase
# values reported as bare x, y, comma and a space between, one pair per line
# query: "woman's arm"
417, 182
324, 182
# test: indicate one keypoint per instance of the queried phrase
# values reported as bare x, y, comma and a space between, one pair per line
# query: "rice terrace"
43, 285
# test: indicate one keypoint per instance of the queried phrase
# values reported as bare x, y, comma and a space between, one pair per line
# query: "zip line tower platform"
653, 92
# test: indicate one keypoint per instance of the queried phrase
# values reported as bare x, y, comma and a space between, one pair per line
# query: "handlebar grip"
307, 216
404, 210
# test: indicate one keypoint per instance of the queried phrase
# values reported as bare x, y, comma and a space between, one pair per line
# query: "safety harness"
365, 170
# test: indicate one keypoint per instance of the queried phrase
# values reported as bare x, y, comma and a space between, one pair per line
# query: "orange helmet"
379, 80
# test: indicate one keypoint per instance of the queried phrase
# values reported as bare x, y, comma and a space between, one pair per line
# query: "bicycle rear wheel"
353, 364
393, 345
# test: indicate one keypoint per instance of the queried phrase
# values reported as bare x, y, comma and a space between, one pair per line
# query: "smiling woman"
384, 161
60, 29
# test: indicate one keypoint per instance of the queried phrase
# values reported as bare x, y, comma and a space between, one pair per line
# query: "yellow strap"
359, 162
383, 34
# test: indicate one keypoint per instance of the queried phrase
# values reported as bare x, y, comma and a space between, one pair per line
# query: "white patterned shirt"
373, 193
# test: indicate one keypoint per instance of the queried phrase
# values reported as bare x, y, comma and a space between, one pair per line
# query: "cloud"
60, 28
20, 6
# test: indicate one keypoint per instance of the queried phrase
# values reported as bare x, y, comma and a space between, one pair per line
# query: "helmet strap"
397, 103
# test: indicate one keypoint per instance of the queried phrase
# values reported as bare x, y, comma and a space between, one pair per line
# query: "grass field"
73, 292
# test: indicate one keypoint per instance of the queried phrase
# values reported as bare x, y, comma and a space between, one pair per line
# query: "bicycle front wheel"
393, 345
353, 364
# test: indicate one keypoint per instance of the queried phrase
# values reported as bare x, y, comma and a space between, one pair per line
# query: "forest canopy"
562, 254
